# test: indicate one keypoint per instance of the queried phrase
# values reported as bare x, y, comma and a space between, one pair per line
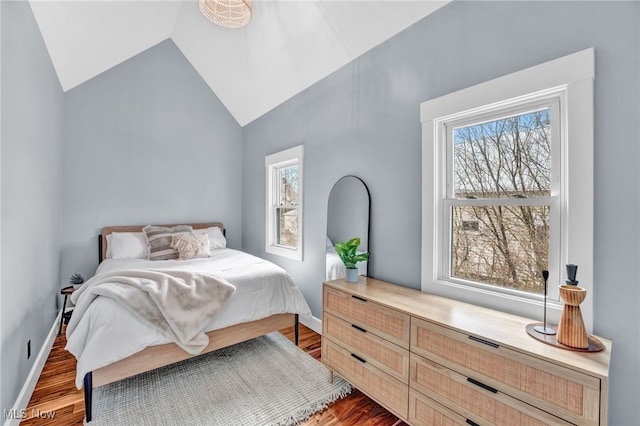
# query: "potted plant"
350, 256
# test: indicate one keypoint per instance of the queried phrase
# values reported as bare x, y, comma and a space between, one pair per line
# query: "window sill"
291, 253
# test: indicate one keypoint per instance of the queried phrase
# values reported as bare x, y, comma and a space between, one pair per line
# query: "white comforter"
179, 304
108, 332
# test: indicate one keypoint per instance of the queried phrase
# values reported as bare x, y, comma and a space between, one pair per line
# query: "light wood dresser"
436, 361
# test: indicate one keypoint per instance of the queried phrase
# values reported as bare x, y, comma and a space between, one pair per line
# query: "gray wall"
31, 147
146, 142
364, 120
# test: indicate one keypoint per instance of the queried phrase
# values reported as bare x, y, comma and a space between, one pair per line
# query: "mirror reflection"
347, 217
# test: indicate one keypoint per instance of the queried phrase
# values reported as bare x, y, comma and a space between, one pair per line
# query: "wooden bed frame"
158, 356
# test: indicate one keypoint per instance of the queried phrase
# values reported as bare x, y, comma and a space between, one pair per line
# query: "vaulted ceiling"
287, 46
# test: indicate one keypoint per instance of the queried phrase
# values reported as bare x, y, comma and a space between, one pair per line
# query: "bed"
110, 343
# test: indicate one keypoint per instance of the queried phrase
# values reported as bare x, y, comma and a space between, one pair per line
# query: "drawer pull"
485, 342
359, 359
482, 385
359, 298
358, 328
472, 423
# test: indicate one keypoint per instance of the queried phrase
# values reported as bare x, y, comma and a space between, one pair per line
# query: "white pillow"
216, 239
127, 245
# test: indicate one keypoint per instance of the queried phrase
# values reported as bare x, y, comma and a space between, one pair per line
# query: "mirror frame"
368, 216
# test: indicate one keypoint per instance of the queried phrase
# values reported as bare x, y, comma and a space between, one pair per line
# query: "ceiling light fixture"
227, 13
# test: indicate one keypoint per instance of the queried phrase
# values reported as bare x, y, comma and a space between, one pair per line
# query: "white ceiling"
287, 47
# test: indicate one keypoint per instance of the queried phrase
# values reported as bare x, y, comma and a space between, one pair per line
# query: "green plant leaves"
348, 252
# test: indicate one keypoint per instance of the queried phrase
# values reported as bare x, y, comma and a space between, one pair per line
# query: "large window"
284, 203
500, 199
508, 188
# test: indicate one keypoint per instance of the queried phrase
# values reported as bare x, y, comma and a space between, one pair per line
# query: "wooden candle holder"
571, 331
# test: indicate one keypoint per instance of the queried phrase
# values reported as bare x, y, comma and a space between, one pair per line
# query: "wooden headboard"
102, 239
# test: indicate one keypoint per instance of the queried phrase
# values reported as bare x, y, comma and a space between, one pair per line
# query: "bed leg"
295, 328
88, 392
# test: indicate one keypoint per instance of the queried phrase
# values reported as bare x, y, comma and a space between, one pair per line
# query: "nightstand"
67, 291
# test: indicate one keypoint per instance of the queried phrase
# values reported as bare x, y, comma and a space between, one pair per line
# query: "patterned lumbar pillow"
159, 239
191, 245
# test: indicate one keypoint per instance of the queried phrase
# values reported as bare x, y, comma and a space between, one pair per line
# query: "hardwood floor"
55, 393
57, 402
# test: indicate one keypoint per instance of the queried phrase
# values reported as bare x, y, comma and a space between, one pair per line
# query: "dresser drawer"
387, 323
563, 392
388, 357
427, 412
387, 391
473, 399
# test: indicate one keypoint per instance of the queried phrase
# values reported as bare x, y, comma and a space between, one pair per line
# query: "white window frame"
567, 81
273, 162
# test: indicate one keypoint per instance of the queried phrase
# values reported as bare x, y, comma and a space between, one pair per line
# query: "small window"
284, 203
468, 225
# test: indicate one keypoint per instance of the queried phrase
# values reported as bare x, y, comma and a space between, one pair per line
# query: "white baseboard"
313, 323
27, 390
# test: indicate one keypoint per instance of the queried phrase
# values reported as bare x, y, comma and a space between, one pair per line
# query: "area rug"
263, 381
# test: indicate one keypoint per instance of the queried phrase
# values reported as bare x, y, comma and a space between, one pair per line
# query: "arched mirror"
347, 217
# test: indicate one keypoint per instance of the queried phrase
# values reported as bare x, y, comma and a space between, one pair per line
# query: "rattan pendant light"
227, 13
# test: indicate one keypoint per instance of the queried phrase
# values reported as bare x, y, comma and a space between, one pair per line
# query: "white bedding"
109, 332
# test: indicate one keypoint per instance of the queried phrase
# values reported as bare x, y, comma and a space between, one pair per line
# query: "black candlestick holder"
543, 329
